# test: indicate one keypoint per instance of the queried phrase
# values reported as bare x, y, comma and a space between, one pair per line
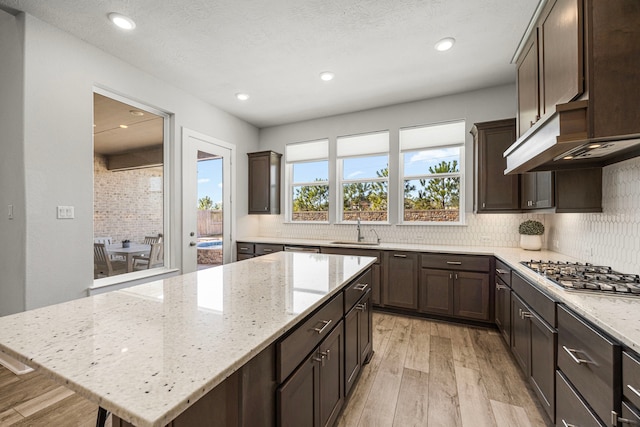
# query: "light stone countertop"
618, 316
148, 352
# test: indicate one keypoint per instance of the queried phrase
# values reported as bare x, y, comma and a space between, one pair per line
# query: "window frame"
290, 184
461, 175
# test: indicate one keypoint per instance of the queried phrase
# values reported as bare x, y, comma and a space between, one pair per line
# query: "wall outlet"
556, 244
485, 240
66, 212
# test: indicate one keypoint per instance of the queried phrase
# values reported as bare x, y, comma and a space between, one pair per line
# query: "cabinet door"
544, 345
471, 295
520, 333
352, 362
496, 191
436, 291
536, 190
331, 394
527, 79
259, 184
244, 256
562, 74
375, 284
298, 398
503, 310
366, 329
400, 287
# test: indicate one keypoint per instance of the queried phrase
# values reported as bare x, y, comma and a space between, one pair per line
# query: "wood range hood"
562, 141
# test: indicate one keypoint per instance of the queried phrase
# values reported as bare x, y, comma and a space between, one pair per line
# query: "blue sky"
210, 179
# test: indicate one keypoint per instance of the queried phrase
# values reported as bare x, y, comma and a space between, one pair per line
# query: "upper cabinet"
578, 86
495, 191
264, 182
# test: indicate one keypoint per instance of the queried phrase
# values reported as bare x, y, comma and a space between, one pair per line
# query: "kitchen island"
151, 352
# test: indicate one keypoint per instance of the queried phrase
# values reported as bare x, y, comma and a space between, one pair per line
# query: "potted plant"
531, 232
125, 243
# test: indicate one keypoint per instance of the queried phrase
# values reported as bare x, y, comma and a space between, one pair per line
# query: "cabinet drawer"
591, 361
352, 252
245, 248
631, 378
570, 408
291, 350
503, 272
630, 413
540, 302
265, 248
456, 262
357, 289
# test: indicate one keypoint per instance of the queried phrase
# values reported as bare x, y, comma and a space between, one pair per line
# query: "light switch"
66, 212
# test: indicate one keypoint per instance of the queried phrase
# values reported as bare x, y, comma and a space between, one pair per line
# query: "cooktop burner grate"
587, 277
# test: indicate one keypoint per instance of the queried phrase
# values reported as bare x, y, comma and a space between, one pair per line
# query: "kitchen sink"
355, 243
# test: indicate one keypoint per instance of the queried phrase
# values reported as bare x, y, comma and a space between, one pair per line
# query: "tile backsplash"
611, 237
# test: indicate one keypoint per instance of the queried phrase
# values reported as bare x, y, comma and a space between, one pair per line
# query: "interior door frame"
189, 176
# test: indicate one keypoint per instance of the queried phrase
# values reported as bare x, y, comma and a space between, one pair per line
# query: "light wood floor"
436, 374
423, 373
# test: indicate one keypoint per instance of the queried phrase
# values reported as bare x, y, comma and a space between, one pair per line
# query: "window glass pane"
365, 200
435, 160
310, 203
311, 171
434, 199
366, 167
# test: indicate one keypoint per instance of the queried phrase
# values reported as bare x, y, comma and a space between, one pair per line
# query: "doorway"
207, 208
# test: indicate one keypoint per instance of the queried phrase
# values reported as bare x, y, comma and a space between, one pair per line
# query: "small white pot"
531, 243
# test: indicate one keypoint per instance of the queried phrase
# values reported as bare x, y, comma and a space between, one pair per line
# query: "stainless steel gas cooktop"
587, 277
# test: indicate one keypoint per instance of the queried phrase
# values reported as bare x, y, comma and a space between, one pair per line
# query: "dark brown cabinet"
400, 285
503, 300
358, 339
250, 250
578, 190
455, 293
537, 190
376, 273
314, 394
528, 93
264, 182
495, 191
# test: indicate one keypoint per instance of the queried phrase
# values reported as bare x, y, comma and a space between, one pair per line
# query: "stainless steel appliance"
587, 277
307, 249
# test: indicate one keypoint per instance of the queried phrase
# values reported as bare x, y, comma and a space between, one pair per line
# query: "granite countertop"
148, 352
618, 316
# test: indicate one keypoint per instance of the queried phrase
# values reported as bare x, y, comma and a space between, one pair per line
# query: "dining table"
129, 252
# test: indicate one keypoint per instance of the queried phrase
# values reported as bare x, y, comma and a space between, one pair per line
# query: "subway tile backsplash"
609, 238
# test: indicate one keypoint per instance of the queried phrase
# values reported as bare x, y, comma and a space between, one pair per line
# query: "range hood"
562, 141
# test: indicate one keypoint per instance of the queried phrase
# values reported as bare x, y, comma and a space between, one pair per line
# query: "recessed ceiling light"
122, 21
124, 126
592, 146
137, 113
327, 76
567, 157
445, 44
242, 96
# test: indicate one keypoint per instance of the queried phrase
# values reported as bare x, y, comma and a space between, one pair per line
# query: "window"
432, 164
363, 169
308, 180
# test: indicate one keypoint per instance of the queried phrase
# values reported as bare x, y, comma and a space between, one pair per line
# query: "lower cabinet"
314, 394
503, 309
400, 284
358, 340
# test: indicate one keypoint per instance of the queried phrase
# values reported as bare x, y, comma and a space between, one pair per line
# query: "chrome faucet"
360, 236
377, 236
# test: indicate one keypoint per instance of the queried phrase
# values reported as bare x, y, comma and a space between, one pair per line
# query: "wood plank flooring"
433, 374
424, 373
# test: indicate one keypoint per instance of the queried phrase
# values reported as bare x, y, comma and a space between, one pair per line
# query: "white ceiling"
380, 50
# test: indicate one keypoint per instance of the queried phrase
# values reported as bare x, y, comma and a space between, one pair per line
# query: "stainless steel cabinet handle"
499, 271
633, 389
500, 287
579, 361
526, 315
399, 256
361, 286
361, 307
566, 424
615, 420
244, 249
326, 354
454, 262
325, 323
319, 359
456, 276
267, 250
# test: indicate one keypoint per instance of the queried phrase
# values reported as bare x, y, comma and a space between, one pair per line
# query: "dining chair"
108, 241
148, 240
103, 265
155, 258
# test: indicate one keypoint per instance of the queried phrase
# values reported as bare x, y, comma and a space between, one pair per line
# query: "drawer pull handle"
499, 271
501, 287
244, 249
361, 307
361, 286
267, 250
325, 323
579, 361
454, 262
566, 424
399, 256
633, 389
525, 315
615, 420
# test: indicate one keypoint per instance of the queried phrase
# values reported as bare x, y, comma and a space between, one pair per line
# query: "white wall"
12, 186
59, 75
477, 106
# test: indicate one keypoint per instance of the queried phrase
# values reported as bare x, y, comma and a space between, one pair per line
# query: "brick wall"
127, 204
